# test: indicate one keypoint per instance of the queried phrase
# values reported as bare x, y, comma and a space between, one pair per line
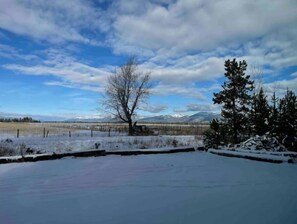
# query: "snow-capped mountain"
203, 116
174, 118
164, 119
179, 118
178, 115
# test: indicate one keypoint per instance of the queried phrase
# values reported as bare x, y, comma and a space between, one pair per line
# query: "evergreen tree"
288, 120
235, 98
216, 135
273, 116
259, 115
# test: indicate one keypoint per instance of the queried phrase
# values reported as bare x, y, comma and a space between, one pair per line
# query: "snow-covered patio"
173, 188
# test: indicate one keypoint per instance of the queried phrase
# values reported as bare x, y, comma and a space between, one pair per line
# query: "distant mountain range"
175, 118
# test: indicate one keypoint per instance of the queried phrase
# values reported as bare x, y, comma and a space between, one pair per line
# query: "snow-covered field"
81, 139
173, 188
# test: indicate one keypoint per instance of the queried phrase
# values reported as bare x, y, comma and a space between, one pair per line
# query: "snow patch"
263, 143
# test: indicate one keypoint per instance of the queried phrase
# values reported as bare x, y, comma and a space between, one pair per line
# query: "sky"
55, 56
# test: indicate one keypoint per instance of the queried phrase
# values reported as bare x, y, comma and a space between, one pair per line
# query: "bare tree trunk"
131, 129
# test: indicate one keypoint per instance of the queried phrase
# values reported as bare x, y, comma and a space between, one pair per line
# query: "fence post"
18, 133
69, 134
91, 133
109, 132
43, 132
47, 133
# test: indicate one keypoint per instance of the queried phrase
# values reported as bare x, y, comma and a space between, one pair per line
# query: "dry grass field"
31, 129
37, 129
157, 129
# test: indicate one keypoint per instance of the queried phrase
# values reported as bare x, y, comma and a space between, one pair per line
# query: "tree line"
246, 113
23, 119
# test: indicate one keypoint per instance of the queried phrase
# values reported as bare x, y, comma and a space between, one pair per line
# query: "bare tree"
126, 89
257, 75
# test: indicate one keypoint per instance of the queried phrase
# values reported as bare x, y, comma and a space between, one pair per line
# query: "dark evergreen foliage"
235, 98
24, 119
216, 135
287, 120
259, 115
244, 114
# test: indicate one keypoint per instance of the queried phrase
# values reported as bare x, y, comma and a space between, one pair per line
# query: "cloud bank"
183, 43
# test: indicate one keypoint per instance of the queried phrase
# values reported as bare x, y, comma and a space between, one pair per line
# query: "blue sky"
55, 55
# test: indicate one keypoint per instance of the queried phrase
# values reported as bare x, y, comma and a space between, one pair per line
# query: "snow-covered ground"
263, 148
285, 156
82, 141
173, 188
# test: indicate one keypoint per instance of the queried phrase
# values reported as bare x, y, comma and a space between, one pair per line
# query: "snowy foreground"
82, 141
193, 187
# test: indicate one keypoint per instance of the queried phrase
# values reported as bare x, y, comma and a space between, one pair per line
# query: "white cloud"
154, 108
94, 88
71, 73
10, 52
178, 90
187, 26
187, 69
187, 41
181, 42
54, 21
74, 72
196, 107
281, 86
156, 28
263, 33
202, 107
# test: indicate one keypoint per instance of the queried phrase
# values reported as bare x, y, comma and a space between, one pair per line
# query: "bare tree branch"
126, 89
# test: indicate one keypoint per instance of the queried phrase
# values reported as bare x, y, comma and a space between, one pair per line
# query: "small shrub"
6, 151
135, 141
174, 142
143, 146
97, 145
